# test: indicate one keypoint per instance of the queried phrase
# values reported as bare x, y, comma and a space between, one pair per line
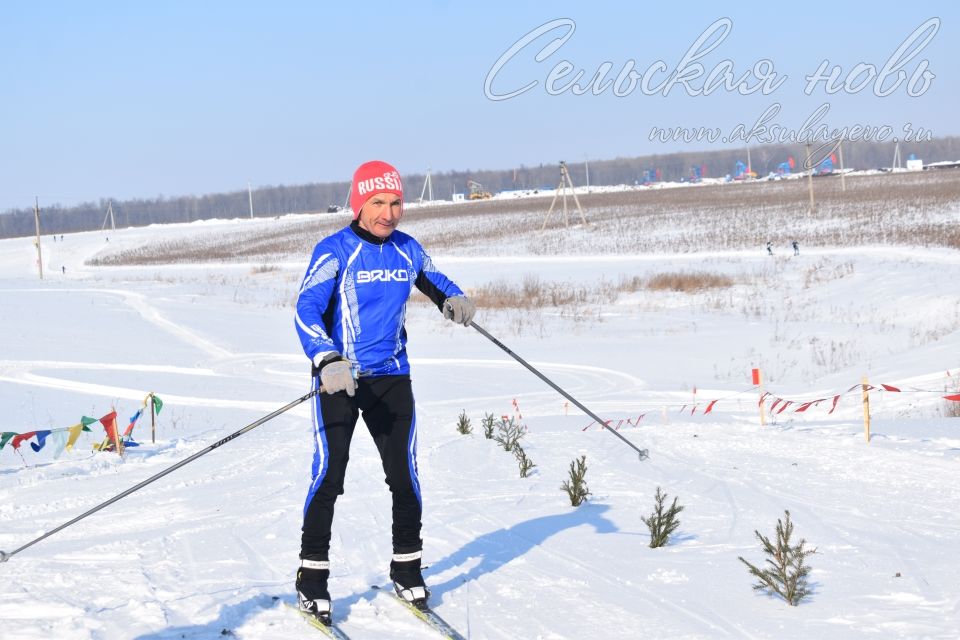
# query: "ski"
329, 630
428, 616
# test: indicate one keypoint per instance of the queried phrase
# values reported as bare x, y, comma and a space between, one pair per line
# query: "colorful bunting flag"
41, 441
133, 421
65, 438
836, 399
59, 438
74, 434
20, 437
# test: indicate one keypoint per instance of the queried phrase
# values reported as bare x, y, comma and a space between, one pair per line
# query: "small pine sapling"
662, 522
488, 423
526, 464
786, 575
576, 486
509, 433
463, 424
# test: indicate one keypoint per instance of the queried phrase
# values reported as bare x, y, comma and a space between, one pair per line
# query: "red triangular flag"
836, 399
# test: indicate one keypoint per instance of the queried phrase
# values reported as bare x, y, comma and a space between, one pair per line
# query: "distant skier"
769, 248
350, 319
796, 248
63, 269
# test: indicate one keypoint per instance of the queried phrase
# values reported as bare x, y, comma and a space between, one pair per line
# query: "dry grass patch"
264, 268
534, 293
951, 409
688, 282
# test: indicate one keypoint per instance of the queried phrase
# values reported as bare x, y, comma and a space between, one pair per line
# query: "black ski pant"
388, 411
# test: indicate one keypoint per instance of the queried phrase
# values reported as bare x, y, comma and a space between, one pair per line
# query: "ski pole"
6, 556
644, 454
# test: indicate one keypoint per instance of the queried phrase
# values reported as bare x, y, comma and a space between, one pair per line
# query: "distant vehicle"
477, 192
334, 208
825, 168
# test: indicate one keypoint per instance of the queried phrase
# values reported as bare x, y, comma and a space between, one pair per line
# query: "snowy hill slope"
212, 548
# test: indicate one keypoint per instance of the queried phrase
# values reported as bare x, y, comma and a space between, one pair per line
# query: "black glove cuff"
333, 357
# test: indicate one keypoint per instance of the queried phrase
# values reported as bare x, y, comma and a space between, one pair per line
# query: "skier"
796, 248
350, 319
769, 248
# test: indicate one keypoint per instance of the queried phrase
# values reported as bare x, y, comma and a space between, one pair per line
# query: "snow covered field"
210, 550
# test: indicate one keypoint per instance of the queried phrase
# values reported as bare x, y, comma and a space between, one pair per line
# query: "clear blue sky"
140, 99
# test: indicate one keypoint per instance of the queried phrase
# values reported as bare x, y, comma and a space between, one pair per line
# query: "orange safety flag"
109, 423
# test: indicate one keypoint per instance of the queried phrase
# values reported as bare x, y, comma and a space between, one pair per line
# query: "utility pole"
843, 175
109, 216
562, 189
36, 219
427, 188
586, 168
250, 198
810, 179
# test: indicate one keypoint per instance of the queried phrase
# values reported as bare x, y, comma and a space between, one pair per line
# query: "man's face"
381, 214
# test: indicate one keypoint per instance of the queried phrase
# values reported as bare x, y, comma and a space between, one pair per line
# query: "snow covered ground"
211, 550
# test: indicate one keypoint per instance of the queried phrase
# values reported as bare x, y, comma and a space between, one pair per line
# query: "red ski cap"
372, 178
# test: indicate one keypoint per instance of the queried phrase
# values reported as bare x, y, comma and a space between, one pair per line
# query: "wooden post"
36, 218
153, 421
117, 439
813, 167
757, 381
843, 175
866, 409
573, 192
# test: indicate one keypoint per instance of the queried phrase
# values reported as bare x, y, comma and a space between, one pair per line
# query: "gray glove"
459, 309
337, 375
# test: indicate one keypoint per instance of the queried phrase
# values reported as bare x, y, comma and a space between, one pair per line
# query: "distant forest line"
317, 197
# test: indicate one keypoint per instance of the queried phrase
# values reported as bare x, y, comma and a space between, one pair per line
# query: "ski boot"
407, 579
312, 596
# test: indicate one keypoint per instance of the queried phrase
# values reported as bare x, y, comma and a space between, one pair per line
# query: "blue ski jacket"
353, 298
